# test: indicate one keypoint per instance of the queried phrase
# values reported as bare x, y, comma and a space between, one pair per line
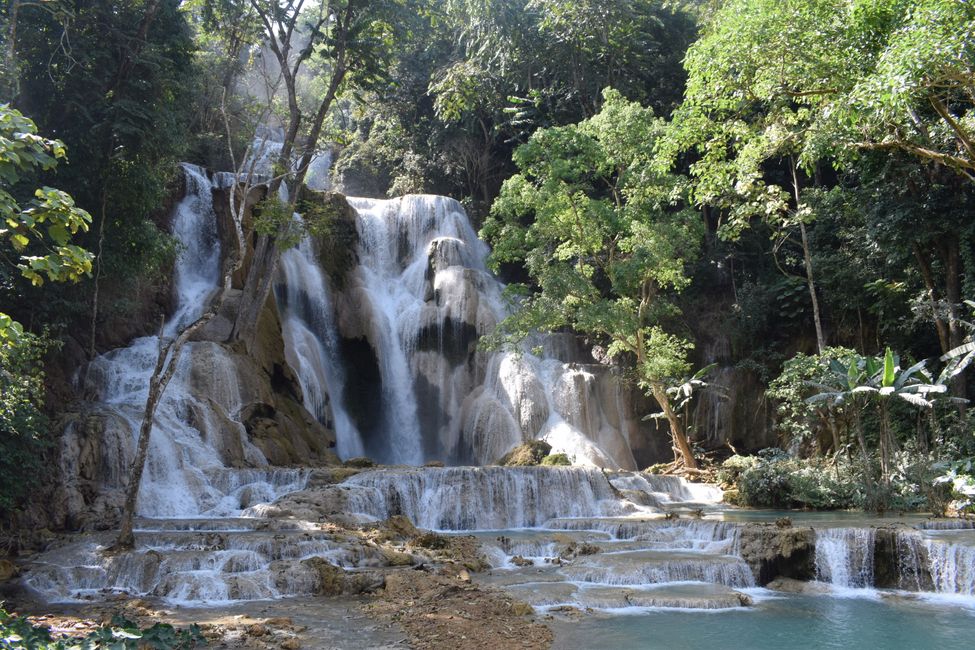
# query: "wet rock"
519, 608
258, 630
8, 570
772, 551
431, 540
792, 586
290, 643
399, 527
522, 561
334, 581
900, 560
396, 558
360, 462
528, 454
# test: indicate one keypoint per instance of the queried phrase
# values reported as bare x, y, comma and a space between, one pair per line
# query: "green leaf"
889, 366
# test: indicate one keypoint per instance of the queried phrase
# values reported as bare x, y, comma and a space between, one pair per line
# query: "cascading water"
418, 300
311, 346
187, 473
845, 556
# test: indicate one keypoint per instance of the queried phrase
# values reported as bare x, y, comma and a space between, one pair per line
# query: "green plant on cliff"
605, 238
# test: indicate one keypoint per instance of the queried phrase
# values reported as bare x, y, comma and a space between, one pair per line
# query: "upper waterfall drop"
408, 320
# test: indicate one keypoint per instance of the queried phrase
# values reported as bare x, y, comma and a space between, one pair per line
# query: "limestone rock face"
772, 551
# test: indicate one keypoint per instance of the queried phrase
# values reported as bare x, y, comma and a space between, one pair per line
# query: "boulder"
530, 453
772, 551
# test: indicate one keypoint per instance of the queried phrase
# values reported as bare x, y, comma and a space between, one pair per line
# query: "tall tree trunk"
817, 318
98, 273
677, 433
865, 454
807, 260
953, 289
12, 83
924, 266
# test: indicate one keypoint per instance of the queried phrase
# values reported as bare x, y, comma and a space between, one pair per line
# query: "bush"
527, 454
24, 433
731, 469
776, 480
556, 459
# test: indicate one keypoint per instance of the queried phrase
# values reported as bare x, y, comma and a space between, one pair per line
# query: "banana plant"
959, 358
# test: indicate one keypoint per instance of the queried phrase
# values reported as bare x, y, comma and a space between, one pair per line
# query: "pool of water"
891, 622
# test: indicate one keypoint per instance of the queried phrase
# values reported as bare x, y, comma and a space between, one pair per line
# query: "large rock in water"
773, 551
528, 454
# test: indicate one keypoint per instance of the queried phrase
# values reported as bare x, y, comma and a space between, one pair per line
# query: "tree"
36, 243
605, 238
350, 42
38, 232
118, 92
777, 91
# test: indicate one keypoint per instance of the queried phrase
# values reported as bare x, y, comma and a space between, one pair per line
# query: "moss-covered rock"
331, 221
528, 454
556, 460
772, 551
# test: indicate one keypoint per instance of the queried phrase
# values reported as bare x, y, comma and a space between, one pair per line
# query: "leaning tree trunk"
166, 364
677, 433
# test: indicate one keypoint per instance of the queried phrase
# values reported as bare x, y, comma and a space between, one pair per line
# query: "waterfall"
844, 556
415, 306
485, 498
311, 344
194, 432
952, 566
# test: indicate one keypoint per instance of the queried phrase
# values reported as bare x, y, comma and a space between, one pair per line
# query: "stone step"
690, 595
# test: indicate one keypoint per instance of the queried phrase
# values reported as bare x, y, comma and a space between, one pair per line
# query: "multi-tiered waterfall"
383, 354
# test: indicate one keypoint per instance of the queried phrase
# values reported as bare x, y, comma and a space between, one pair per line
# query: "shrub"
23, 426
556, 459
776, 480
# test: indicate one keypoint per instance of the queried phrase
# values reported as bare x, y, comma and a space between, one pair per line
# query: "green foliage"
24, 434
17, 633
776, 480
122, 105
556, 460
799, 419
602, 234
40, 231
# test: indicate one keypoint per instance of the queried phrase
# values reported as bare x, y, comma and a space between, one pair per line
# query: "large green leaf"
889, 369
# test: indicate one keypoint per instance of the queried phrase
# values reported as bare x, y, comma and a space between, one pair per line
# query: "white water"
844, 556
420, 296
310, 337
